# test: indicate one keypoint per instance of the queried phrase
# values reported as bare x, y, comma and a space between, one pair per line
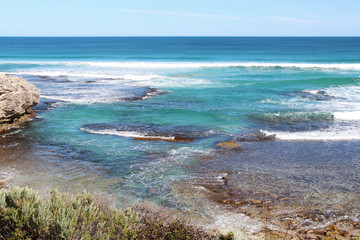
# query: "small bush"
24, 216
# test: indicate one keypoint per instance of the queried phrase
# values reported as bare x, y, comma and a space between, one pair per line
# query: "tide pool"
101, 95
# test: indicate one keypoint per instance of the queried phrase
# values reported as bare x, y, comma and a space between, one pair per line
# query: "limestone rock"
228, 145
2, 183
17, 96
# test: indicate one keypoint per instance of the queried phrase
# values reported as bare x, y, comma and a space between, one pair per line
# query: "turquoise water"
100, 93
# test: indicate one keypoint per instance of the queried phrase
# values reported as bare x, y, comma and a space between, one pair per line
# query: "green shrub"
23, 215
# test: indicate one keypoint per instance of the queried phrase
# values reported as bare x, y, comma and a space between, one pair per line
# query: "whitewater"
287, 111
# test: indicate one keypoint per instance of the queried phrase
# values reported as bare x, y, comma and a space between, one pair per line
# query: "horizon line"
80, 36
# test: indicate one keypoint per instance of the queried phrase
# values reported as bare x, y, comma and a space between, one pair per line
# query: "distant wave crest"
165, 65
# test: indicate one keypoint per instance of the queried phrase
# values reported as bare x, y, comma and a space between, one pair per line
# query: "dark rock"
312, 95
147, 132
255, 137
45, 105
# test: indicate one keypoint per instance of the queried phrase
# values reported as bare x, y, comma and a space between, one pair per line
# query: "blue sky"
180, 18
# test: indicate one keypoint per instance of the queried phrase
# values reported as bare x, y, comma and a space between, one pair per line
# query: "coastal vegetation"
24, 215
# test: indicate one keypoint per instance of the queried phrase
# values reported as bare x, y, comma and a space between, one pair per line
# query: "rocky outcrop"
2, 183
17, 96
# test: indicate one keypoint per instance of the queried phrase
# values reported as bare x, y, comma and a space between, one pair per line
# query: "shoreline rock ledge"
17, 96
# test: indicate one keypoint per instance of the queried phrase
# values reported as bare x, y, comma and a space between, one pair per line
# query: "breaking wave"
329, 134
152, 132
160, 65
292, 117
129, 134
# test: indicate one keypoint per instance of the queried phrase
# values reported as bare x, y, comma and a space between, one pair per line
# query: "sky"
180, 18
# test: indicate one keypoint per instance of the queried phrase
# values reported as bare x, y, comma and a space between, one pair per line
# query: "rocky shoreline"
289, 207
17, 96
291, 218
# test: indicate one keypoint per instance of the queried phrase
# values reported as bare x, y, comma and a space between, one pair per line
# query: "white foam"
11, 133
326, 135
86, 74
88, 97
311, 91
9, 145
344, 107
105, 77
160, 65
343, 104
67, 99
227, 219
7, 173
350, 93
128, 134
347, 116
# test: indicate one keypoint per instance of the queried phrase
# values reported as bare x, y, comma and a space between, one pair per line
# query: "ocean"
113, 108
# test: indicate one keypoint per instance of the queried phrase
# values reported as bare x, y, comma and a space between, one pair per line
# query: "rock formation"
17, 96
2, 183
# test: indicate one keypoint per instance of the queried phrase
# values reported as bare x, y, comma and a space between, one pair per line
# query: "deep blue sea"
100, 94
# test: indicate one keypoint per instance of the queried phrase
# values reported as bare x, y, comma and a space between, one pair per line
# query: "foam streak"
166, 65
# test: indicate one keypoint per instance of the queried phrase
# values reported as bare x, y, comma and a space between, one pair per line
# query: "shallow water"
101, 94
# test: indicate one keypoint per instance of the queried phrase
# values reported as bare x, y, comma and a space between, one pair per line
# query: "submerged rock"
17, 96
45, 105
229, 145
312, 95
